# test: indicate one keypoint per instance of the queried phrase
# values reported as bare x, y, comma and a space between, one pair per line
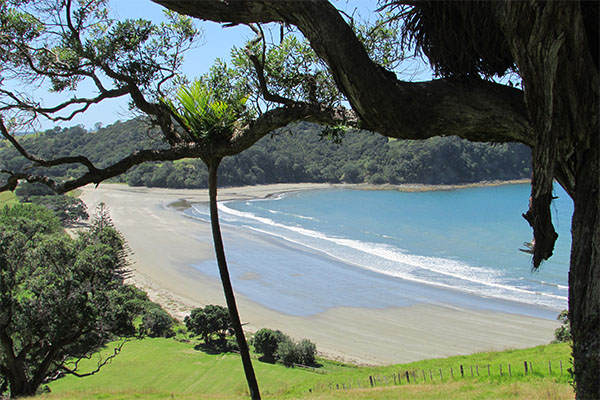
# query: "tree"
209, 321
265, 342
68, 209
551, 45
554, 48
61, 299
156, 322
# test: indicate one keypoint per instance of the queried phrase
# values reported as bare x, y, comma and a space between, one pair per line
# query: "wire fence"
436, 375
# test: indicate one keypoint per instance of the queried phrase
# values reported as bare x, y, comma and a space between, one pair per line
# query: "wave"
393, 261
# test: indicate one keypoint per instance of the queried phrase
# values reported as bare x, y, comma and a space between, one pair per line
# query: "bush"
265, 342
563, 332
307, 351
156, 322
277, 346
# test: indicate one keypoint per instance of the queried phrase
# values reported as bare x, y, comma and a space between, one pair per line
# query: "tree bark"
549, 44
557, 115
213, 165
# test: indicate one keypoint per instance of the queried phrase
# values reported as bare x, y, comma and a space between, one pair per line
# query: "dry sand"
165, 243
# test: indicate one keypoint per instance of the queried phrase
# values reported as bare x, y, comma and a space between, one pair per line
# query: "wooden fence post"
451, 372
424, 380
462, 372
371, 380
488, 369
500, 369
441, 376
477, 369
530, 367
471, 371
550, 367
509, 371
525, 364
560, 361
414, 374
430, 375
394, 375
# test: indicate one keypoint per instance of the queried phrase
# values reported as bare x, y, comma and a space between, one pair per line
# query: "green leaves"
205, 116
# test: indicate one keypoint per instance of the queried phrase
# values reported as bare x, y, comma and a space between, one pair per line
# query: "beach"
166, 245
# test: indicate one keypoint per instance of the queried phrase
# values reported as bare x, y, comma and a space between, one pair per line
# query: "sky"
216, 43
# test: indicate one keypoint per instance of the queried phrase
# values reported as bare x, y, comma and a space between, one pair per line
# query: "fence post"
488, 369
430, 375
441, 376
414, 374
462, 372
451, 372
394, 375
550, 367
500, 369
477, 369
525, 364
530, 367
509, 371
371, 380
560, 361
471, 371
407, 377
424, 380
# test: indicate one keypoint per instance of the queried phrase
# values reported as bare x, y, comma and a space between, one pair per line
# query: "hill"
295, 154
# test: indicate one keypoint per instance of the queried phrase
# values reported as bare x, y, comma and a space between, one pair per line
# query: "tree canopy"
61, 299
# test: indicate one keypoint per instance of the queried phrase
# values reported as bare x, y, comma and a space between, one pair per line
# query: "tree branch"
475, 110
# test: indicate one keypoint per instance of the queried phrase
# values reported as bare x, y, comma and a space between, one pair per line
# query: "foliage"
26, 190
68, 209
156, 322
295, 154
563, 332
61, 299
277, 346
209, 321
265, 342
205, 113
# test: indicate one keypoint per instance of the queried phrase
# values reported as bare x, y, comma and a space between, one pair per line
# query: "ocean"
302, 253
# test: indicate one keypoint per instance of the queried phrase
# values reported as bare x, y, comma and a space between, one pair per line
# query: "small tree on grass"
563, 332
265, 342
156, 322
210, 321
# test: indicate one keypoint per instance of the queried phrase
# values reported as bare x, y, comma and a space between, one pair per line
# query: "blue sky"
216, 43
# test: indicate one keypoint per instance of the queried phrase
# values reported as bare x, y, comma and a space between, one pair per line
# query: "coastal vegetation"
297, 153
48, 43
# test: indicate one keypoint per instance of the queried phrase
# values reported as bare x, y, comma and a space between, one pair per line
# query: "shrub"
307, 351
288, 352
266, 341
156, 322
563, 332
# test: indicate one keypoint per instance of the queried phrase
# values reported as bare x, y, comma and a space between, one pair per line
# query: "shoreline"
166, 244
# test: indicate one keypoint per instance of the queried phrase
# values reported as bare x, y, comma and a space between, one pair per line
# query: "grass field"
8, 198
166, 368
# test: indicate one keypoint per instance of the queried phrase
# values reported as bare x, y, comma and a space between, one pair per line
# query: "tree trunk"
561, 83
226, 281
584, 278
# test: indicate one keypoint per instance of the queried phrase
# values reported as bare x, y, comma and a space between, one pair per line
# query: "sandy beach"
165, 244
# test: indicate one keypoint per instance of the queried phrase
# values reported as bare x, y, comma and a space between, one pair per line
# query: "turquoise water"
302, 253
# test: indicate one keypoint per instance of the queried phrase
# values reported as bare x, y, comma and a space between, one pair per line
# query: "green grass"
166, 368
8, 199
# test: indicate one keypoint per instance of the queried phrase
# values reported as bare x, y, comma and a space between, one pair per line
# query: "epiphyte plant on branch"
209, 119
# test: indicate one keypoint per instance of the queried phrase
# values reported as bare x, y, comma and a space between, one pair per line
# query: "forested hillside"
296, 154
